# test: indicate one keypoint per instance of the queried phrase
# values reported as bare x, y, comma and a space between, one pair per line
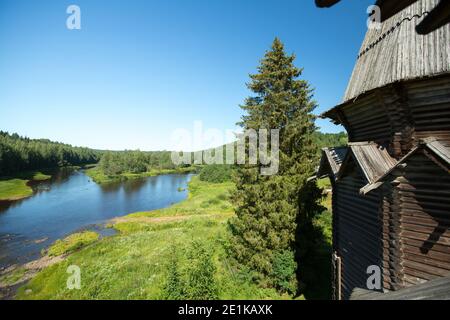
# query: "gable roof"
374, 160
332, 157
371, 158
431, 144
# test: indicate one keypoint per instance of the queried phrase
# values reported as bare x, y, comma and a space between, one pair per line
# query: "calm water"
71, 202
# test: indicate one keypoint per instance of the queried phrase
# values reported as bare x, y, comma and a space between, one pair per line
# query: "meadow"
133, 264
17, 187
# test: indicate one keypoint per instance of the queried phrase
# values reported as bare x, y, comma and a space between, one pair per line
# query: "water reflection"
70, 201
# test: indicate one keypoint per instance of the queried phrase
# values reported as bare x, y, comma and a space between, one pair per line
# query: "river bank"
20, 185
101, 178
133, 264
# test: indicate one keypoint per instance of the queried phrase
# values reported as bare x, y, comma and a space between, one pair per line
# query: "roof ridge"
380, 38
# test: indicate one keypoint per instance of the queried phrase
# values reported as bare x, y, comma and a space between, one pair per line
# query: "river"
71, 202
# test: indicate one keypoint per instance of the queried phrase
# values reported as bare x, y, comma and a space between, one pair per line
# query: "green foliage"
121, 165
73, 242
268, 207
323, 140
174, 287
216, 173
284, 268
100, 177
197, 281
19, 154
201, 283
114, 163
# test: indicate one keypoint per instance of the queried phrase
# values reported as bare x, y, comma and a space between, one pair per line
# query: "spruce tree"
268, 208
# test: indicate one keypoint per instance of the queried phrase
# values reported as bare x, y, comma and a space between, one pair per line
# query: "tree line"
117, 162
134, 161
19, 154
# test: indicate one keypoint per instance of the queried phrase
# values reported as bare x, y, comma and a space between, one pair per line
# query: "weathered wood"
437, 289
391, 192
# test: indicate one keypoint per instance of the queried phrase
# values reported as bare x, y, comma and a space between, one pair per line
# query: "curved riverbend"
70, 202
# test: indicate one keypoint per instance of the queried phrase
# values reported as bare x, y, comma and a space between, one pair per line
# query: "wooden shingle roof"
374, 160
396, 52
332, 157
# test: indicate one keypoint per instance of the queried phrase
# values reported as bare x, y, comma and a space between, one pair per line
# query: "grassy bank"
101, 178
16, 188
133, 264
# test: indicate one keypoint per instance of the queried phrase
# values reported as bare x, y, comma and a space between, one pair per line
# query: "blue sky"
138, 70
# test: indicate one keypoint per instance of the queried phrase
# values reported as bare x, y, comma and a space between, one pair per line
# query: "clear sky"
138, 70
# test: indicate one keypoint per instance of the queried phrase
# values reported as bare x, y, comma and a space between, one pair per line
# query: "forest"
18, 154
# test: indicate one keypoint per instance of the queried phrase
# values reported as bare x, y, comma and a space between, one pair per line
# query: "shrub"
194, 282
284, 269
201, 282
174, 287
216, 173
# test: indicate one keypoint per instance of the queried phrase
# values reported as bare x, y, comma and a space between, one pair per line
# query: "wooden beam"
391, 7
326, 3
437, 18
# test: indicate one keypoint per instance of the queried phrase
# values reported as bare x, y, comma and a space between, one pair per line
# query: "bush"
201, 282
174, 287
216, 173
196, 281
284, 269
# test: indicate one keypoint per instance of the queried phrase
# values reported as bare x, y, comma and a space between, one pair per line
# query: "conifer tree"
268, 208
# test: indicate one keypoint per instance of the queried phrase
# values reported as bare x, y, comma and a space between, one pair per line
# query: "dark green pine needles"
271, 209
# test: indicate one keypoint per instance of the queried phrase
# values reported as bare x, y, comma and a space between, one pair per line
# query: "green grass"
71, 243
39, 176
99, 177
325, 184
12, 277
133, 264
16, 188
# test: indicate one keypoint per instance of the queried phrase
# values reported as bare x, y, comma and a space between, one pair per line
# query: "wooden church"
391, 184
